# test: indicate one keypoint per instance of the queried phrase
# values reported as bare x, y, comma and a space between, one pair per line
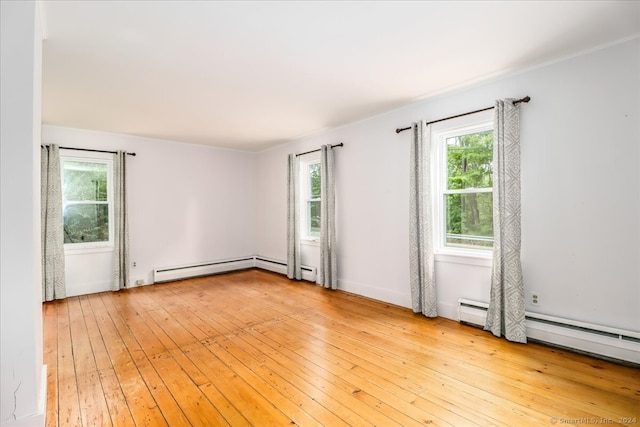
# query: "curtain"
52, 224
294, 270
121, 263
421, 262
505, 315
328, 273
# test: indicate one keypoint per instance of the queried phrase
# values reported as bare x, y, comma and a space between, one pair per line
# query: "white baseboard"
592, 339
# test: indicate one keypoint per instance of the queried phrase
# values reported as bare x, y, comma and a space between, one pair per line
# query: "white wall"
21, 347
187, 204
580, 192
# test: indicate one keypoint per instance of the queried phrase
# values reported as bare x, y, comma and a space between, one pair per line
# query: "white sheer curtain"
421, 261
121, 278
294, 270
328, 273
53, 284
506, 313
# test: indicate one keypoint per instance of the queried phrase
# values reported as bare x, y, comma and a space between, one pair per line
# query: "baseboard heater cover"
308, 273
600, 340
168, 274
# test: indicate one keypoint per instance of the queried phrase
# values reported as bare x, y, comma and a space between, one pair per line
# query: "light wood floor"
252, 348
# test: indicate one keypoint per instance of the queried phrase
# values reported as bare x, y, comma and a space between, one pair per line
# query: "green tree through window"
314, 200
86, 201
468, 195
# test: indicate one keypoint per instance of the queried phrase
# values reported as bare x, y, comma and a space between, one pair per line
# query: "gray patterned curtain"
328, 273
421, 262
121, 263
53, 285
505, 315
294, 270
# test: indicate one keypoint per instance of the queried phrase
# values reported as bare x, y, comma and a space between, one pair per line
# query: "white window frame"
439, 134
104, 158
305, 197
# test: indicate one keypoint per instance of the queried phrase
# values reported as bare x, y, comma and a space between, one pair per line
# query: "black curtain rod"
94, 151
525, 100
315, 151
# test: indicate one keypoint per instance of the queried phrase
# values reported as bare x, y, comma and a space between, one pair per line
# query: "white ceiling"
250, 75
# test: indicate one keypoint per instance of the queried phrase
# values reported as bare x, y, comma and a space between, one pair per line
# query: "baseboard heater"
168, 274
619, 344
308, 273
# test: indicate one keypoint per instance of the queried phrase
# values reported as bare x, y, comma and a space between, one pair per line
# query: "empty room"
320, 213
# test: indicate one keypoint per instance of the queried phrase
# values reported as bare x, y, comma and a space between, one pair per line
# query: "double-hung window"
87, 201
311, 199
464, 189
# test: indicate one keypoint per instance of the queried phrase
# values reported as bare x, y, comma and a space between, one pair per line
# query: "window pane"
469, 220
86, 223
314, 180
84, 181
313, 208
469, 161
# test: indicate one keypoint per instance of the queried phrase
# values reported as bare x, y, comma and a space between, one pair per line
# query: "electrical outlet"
139, 282
535, 298
134, 264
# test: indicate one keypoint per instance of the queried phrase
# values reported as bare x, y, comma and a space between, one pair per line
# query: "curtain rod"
315, 151
525, 100
94, 151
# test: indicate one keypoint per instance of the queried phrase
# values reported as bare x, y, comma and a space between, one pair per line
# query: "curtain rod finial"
526, 99
398, 130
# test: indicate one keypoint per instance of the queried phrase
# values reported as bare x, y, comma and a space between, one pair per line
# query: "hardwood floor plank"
68, 402
117, 350
165, 400
114, 397
251, 353
193, 403
83, 356
230, 413
333, 388
143, 407
441, 360
175, 337
93, 406
253, 406
133, 328
100, 354
426, 369
226, 351
488, 348
253, 348
286, 368
435, 414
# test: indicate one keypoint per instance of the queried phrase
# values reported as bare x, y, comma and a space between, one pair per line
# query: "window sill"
482, 259
89, 249
310, 242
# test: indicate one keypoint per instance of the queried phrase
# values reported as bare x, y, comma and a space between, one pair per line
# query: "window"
311, 198
86, 192
464, 189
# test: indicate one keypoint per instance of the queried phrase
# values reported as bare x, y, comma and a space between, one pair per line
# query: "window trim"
305, 236
439, 134
104, 158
